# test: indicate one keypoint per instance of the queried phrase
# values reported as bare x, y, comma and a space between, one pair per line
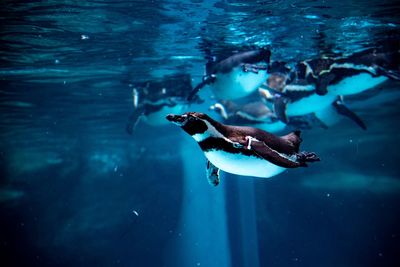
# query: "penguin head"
191, 122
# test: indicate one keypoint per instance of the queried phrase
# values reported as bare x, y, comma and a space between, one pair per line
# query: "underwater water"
77, 190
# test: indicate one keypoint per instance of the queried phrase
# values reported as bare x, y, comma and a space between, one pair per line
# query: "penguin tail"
294, 139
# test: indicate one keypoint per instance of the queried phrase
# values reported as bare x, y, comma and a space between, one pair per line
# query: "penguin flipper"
280, 108
323, 81
206, 80
212, 174
342, 109
133, 120
264, 151
395, 75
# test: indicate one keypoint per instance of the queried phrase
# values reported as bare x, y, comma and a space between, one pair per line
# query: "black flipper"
345, 111
264, 151
395, 75
323, 81
206, 80
212, 174
280, 108
133, 120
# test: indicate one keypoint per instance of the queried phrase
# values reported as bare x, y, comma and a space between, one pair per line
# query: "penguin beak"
176, 119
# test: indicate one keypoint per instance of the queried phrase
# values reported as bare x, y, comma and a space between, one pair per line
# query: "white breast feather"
237, 83
243, 165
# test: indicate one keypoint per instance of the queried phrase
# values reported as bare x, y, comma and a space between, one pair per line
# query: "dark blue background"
71, 178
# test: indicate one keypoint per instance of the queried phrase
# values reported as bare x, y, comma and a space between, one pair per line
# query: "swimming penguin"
153, 100
243, 150
315, 111
293, 93
236, 76
353, 74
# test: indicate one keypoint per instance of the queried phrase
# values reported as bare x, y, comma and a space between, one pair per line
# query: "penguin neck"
214, 129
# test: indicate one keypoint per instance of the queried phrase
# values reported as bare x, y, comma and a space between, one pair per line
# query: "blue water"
77, 190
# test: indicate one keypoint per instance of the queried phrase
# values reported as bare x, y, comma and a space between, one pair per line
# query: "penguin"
353, 74
293, 93
243, 150
313, 109
236, 76
153, 100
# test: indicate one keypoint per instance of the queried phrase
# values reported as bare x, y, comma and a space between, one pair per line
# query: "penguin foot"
304, 157
212, 174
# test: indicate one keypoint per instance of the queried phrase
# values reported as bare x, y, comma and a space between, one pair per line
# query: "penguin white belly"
243, 165
356, 84
237, 83
158, 118
310, 104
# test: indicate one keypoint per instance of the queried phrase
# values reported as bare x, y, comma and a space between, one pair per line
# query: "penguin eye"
191, 118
